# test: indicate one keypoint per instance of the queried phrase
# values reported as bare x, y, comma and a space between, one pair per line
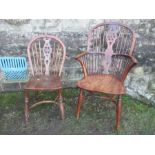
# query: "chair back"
113, 37
110, 46
46, 54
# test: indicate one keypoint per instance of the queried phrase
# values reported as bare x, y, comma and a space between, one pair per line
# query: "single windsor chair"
106, 63
46, 55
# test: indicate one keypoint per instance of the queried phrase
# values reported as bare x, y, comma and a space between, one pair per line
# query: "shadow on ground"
97, 116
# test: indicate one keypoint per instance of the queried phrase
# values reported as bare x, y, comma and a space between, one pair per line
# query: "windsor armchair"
46, 55
106, 63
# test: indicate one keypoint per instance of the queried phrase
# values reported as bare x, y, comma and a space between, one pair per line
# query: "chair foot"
80, 100
118, 111
61, 105
26, 106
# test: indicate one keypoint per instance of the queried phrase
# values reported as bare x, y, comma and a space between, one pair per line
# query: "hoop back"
110, 45
46, 54
112, 37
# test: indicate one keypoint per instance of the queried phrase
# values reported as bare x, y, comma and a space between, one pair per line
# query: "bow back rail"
105, 36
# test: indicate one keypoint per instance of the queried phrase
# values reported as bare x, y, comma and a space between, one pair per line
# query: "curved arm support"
84, 68
133, 62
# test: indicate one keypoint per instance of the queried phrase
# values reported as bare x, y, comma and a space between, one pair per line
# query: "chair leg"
118, 111
80, 100
61, 104
26, 105
35, 94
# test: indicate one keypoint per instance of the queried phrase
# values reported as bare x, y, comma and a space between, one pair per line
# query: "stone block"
138, 71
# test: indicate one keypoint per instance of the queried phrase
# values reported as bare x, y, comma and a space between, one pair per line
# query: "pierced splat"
47, 50
111, 37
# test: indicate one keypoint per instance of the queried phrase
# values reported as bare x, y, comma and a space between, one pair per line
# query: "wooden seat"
44, 83
102, 83
106, 63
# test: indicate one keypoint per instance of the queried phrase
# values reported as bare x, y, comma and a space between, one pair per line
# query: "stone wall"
15, 35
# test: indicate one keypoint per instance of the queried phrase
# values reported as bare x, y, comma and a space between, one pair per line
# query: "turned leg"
61, 104
118, 111
80, 100
26, 105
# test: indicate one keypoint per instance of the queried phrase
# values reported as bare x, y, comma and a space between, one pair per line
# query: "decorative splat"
47, 50
111, 37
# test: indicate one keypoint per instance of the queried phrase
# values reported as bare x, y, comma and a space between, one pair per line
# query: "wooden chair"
106, 63
46, 55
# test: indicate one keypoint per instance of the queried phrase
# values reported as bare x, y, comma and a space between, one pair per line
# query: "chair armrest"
78, 58
80, 55
89, 65
133, 62
124, 60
